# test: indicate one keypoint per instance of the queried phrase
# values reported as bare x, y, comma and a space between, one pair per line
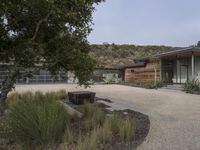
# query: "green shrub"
153, 85
37, 122
127, 130
148, 85
192, 86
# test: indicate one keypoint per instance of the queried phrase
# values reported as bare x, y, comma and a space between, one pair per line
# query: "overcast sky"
147, 22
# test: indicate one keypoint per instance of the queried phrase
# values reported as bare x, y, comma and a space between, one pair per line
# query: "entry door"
183, 73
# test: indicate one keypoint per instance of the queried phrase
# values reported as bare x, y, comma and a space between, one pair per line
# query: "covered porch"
180, 65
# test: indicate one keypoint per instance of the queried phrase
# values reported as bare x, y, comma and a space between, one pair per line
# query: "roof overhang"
131, 66
183, 51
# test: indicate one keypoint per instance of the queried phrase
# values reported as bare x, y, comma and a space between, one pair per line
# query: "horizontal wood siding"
143, 74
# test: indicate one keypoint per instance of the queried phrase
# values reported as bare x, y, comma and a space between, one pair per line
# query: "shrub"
153, 85
148, 85
192, 86
127, 130
37, 122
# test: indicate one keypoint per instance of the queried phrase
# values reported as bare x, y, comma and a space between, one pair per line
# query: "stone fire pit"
81, 97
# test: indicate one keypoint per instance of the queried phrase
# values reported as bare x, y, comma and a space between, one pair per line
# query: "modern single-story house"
108, 75
144, 70
44, 76
175, 66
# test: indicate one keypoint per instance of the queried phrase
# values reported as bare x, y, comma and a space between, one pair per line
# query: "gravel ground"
174, 115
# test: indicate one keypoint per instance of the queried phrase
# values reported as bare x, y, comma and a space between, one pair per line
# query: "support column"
193, 76
160, 69
176, 69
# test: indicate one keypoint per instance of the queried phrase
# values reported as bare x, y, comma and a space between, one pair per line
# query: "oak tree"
51, 33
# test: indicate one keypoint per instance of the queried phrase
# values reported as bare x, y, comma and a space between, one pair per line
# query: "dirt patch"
142, 130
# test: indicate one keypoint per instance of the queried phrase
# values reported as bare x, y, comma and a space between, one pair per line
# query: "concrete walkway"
174, 115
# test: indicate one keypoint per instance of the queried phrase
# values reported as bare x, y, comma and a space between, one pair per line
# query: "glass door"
183, 73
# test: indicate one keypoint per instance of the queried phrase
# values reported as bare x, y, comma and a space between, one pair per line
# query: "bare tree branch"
38, 26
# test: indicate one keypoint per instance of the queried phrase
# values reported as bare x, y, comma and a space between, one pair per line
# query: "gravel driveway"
174, 115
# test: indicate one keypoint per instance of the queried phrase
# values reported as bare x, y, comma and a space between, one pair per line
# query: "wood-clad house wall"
145, 73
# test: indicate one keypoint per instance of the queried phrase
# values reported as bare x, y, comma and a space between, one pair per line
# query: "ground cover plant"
192, 86
37, 121
147, 85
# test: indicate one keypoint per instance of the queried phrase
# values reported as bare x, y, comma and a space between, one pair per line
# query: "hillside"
108, 55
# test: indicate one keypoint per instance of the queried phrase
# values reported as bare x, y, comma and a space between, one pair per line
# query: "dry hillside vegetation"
109, 55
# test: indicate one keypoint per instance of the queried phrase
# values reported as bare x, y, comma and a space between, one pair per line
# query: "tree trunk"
3, 97
6, 87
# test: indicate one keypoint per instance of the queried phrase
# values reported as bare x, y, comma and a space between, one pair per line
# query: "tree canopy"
52, 33
198, 44
48, 32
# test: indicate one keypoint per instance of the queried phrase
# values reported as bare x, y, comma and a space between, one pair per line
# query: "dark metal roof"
131, 66
179, 51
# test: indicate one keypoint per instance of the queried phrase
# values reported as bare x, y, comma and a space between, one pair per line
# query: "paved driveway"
174, 115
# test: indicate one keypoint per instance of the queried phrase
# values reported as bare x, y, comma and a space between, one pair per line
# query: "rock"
71, 110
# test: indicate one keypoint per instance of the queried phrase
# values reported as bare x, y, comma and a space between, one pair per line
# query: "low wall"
148, 73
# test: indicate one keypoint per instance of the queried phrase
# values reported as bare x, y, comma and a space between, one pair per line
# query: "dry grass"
105, 133
127, 130
15, 97
94, 116
90, 142
37, 121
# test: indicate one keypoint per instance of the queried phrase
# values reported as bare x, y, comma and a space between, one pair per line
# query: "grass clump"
90, 142
69, 135
5, 130
15, 97
105, 133
94, 116
127, 130
114, 123
59, 95
148, 85
192, 86
36, 121
12, 99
